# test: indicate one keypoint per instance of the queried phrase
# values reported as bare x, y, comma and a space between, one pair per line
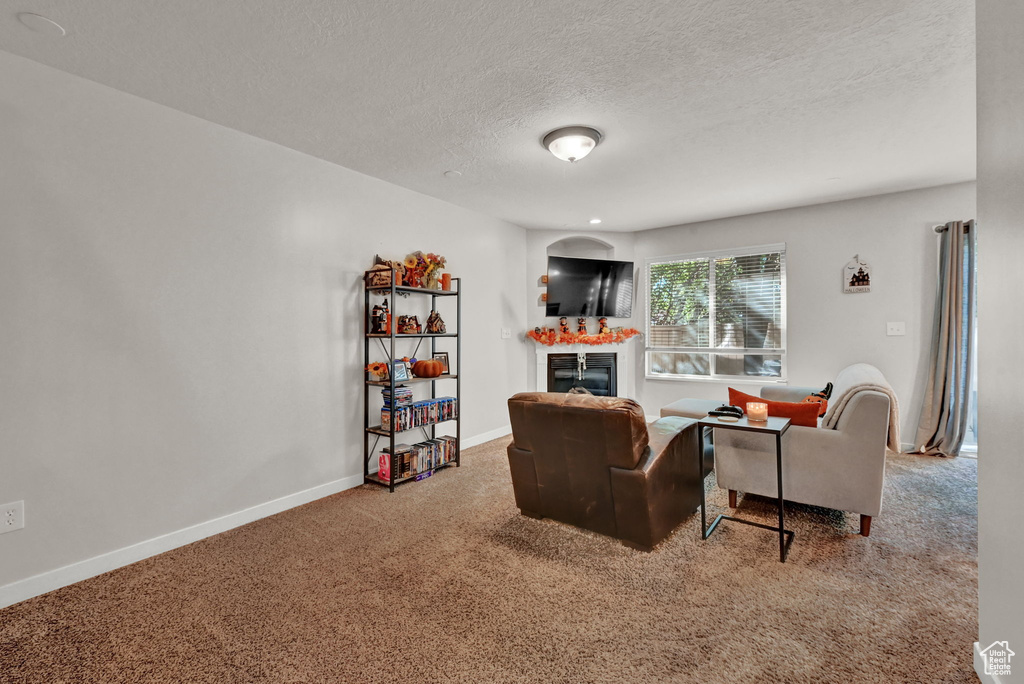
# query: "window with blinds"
718, 315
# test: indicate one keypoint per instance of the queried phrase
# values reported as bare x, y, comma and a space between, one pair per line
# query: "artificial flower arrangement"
378, 368
422, 270
550, 336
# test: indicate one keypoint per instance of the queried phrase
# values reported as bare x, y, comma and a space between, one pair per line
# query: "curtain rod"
967, 227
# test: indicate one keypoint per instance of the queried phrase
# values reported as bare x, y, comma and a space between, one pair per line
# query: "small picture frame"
400, 370
443, 358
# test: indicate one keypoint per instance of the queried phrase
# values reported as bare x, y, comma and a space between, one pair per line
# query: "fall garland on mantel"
551, 337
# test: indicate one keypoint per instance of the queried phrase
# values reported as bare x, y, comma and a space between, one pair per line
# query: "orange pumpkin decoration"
427, 368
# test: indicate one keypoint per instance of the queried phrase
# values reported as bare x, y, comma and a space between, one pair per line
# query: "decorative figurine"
409, 325
563, 325
602, 326
380, 319
377, 318
581, 325
380, 274
435, 326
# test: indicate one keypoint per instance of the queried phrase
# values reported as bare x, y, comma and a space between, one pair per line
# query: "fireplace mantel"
625, 365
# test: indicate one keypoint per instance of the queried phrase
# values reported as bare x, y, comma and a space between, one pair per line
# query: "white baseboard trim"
979, 667
486, 436
43, 583
76, 572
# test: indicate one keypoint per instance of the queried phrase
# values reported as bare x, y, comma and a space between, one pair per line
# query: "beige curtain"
946, 401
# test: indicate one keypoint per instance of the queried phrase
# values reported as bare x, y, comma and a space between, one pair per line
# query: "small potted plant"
378, 370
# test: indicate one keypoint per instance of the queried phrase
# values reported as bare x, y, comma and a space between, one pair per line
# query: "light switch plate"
896, 329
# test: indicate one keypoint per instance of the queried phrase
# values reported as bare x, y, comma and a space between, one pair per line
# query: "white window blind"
718, 315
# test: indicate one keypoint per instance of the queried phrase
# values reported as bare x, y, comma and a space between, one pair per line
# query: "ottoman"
690, 408
696, 409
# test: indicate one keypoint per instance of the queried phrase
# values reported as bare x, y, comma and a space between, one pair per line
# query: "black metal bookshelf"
388, 347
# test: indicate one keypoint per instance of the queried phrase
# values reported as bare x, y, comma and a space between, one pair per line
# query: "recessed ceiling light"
41, 24
594, 221
453, 174
572, 143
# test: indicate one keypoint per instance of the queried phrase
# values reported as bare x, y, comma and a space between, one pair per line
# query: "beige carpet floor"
443, 581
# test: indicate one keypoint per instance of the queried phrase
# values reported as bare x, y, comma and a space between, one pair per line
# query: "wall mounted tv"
589, 287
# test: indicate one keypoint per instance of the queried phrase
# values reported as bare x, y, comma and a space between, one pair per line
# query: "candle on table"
757, 411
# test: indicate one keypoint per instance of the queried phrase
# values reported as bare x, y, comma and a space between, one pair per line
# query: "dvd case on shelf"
419, 413
403, 396
419, 459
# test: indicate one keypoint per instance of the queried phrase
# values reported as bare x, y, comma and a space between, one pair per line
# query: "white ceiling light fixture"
594, 221
572, 143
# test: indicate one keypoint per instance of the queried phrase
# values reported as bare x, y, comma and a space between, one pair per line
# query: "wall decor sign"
856, 275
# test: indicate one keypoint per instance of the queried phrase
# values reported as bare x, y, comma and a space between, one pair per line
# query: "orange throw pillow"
799, 413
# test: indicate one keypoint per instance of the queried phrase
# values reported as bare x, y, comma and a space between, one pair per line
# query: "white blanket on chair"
863, 377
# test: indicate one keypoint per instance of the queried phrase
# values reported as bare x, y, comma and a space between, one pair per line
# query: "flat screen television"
589, 287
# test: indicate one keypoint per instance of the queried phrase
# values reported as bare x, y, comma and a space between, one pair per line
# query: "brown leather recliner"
593, 462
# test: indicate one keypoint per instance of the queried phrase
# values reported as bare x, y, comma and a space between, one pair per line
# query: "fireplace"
594, 372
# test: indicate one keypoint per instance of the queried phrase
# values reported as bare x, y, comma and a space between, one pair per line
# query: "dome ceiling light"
572, 143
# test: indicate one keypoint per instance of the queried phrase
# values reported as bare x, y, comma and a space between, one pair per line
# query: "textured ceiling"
710, 108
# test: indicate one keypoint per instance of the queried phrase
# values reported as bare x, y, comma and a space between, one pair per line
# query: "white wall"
1000, 324
182, 317
828, 329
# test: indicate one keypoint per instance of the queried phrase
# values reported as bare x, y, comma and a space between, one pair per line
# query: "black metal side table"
772, 426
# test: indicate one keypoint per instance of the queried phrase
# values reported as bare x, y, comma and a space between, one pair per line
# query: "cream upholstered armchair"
840, 467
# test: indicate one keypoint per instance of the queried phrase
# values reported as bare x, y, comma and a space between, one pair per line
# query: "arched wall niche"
581, 247
586, 247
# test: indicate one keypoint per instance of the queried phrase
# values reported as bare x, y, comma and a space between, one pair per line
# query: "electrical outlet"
506, 333
12, 516
895, 329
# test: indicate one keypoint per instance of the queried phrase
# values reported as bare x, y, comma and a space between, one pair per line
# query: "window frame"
710, 350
